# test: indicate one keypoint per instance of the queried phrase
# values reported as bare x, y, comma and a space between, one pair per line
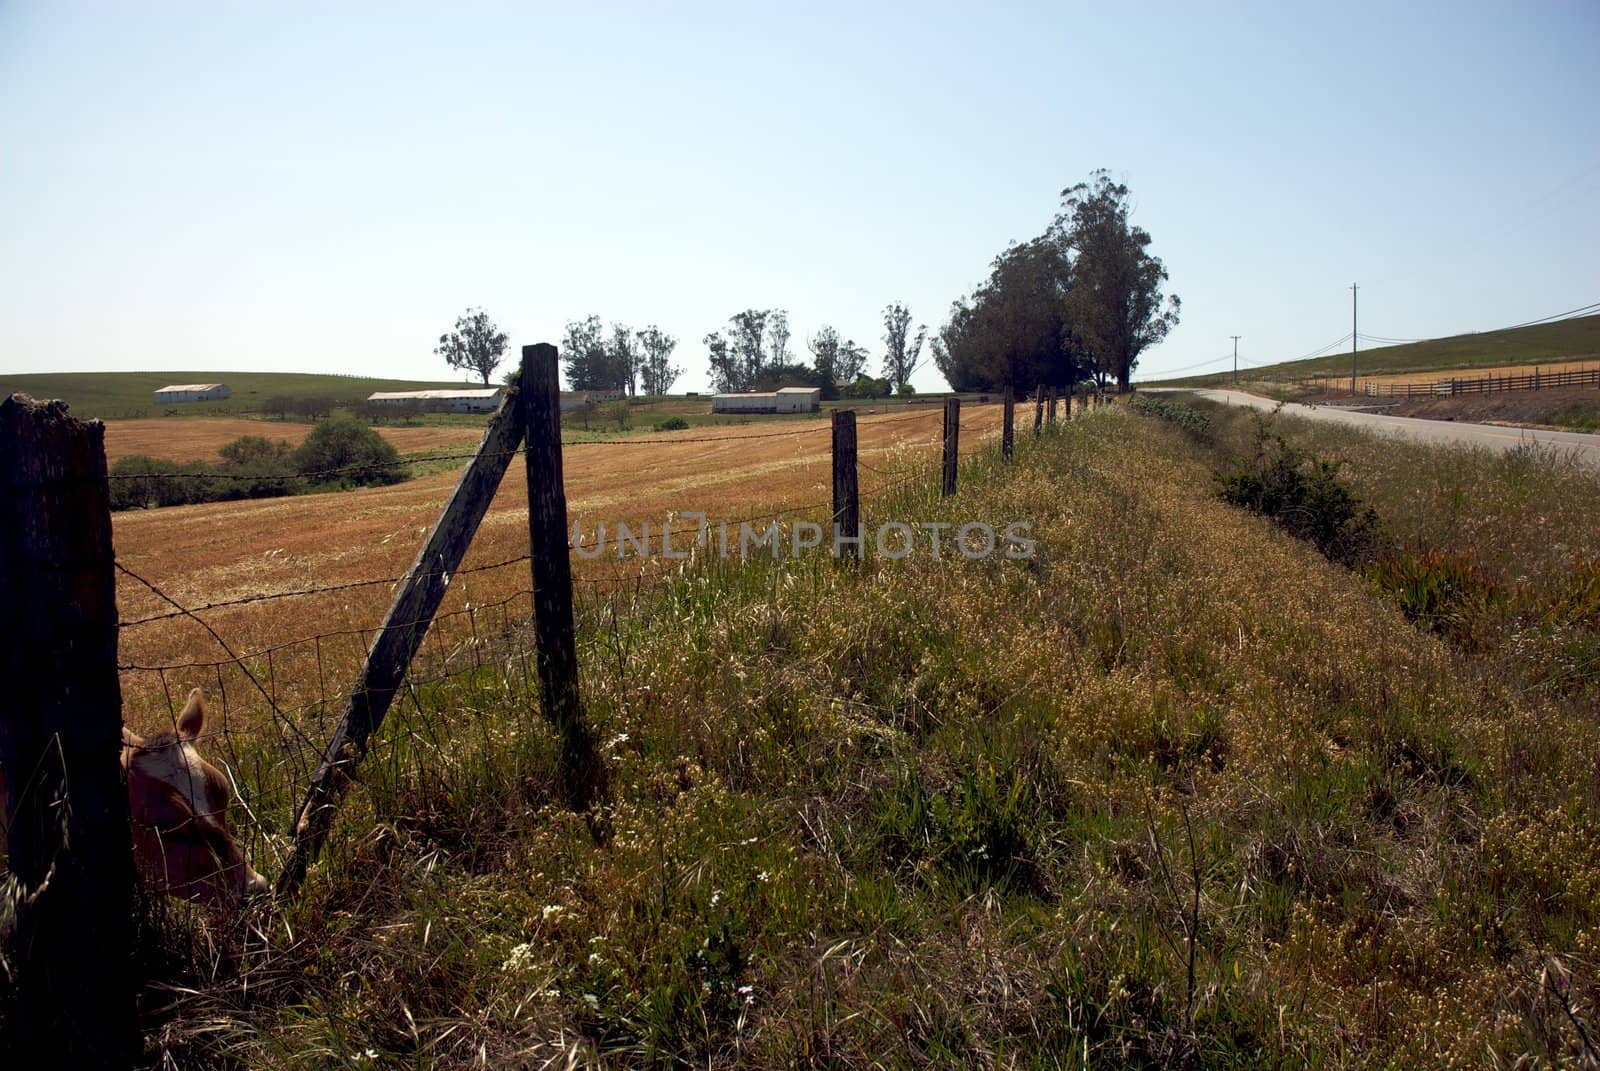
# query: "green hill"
1577, 338
125, 395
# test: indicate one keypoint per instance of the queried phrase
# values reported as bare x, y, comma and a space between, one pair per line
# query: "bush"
344, 452
1304, 495
676, 423
142, 482
1187, 417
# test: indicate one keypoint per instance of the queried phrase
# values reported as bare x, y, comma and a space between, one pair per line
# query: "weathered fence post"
846, 486
1051, 419
1008, 428
556, 653
1038, 409
952, 435
402, 633
61, 744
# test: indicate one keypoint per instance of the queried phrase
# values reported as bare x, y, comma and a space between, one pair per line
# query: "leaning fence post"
952, 435
846, 486
1007, 431
556, 651
1038, 409
61, 744
404, 627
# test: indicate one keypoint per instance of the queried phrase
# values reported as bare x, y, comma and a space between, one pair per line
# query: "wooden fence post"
846, 486
952, 435
582, 771
61, 744
1007, 431
1038, 409
404, 627
1051, 419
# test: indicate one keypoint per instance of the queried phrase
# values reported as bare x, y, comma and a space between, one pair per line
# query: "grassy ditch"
1178, 790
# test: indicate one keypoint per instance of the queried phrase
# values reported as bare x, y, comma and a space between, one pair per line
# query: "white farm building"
485, 400
192, 392
782, 400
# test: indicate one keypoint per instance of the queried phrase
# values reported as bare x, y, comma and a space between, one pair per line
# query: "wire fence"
276, 688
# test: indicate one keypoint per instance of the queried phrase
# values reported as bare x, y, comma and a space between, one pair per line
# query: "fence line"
269, 760
1491, 383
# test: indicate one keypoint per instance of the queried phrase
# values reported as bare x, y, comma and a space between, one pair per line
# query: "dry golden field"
1438, 375
200, 439
219, 552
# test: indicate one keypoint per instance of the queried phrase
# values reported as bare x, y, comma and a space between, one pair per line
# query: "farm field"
199, 439
1479, 372
223, 551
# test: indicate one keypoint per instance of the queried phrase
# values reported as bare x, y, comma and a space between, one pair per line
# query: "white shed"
748, 402
192, 392
799, 399
486, 400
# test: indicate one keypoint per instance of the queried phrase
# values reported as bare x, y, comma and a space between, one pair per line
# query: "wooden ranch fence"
70, 858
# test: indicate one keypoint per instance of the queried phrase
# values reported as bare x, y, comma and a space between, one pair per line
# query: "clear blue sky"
325, 187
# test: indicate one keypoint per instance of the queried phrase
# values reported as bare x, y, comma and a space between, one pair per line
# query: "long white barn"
782, 400
192, 392
485, 400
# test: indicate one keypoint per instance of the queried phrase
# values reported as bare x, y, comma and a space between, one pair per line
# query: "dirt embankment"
1568, 408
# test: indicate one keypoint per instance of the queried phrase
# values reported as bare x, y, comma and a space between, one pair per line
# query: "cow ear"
193, 718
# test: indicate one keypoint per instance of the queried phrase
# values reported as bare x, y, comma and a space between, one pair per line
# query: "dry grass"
223, 551
1176, 792
199, 439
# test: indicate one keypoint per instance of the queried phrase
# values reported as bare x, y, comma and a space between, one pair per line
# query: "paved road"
1584, 444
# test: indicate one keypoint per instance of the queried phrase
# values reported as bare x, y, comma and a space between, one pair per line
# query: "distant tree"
1115, 303
623, 358
727, 375
902, 353
824, 347
778, 338
852, 361
657, 372
476, 345
743, 354
583, 351
791, 374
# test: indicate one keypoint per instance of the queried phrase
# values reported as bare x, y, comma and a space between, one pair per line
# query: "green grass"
1177, 791
125, 395
1577, 338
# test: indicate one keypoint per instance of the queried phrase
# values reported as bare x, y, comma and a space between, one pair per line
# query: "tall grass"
1177, 790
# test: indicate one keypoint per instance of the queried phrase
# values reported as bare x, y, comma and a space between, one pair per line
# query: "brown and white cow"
179, 807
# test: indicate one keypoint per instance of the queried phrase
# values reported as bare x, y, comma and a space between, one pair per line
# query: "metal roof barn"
192, 392
486, 400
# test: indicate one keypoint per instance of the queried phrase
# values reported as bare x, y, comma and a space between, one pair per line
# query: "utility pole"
1354, 337
1235, 358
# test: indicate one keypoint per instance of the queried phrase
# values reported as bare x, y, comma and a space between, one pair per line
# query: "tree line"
1079, 302
752, 352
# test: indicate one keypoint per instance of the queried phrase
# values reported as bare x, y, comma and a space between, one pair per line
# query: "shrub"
676, 423
143, 482
1187, 417
1304, 495
618, 412
349, 453
251, 449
